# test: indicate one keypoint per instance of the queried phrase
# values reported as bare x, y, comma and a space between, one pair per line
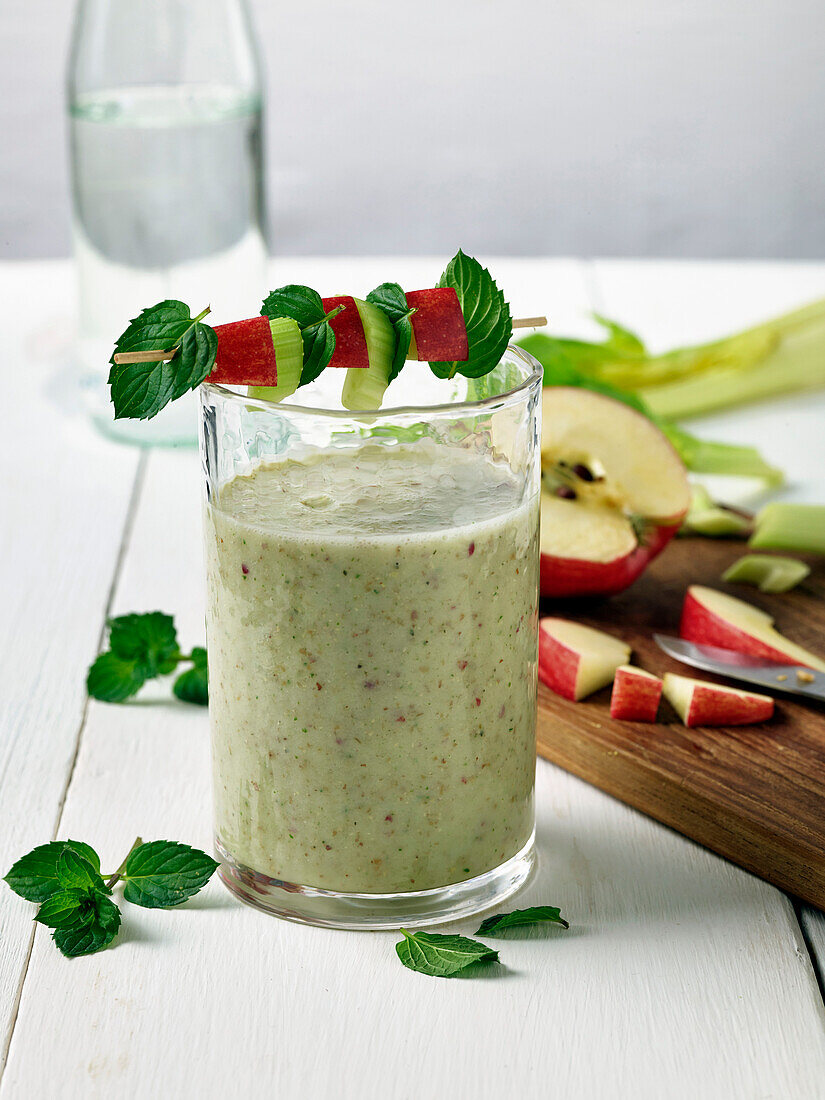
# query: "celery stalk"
769, 574
703, 456
795, 527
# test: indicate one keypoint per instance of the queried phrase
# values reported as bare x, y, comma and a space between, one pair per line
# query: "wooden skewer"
159, 356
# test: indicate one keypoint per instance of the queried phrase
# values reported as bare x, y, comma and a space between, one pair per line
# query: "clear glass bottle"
164, 104
372, 622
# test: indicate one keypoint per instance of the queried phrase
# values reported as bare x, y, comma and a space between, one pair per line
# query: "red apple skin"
438, 324
350, 341
569, 577
711, 707
558, 666
245, 356
635, 697
698, 624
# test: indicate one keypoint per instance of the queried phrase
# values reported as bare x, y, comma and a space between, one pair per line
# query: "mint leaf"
34, 875
66, 908
111, 679
390, 298
86, 936
301, 303
620, 339
149, 639
536, 914
441, 956
191, 686
304, 305
163, 873
486, 315
141, 390
75, 872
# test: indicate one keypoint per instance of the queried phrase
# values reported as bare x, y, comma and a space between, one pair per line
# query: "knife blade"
794, 679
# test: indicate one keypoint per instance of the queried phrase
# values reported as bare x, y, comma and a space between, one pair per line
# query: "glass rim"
536, 375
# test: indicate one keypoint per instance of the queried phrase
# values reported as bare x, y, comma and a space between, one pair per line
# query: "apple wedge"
714, 618
636, 695
699, 703
614, 493
576, 660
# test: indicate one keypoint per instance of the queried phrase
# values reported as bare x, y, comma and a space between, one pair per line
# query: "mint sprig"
74, 899
304, 305
441, 956
143, 646
140, 390
391, 299
486, 315
536, 914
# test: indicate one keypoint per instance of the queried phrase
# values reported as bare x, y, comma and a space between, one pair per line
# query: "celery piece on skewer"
768, 573
795, 527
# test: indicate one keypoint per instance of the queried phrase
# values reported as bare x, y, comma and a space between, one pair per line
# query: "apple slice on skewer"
614, 492
439, 328
714, 618
636, 695
699, 703
576, 660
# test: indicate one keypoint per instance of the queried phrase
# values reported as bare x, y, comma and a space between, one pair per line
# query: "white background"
581, 127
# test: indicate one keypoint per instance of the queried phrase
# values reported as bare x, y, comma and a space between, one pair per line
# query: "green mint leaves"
391, 299
304, 305
162, 873
536, 914
64, 879
140, 390
443, 956
143, 646
486, 315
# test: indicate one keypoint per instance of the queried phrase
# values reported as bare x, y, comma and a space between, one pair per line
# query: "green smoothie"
372, 667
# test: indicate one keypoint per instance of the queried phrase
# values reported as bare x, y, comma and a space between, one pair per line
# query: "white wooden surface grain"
681, 974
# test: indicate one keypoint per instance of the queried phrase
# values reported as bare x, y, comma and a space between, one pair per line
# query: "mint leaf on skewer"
304, 305
536, 914
168, 352
486, 316
390, 298
163, 873
142, 647
441, 956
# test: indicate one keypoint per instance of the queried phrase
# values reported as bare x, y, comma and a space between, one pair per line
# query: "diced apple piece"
350, 342
246, 354
636, 695
439, 329
714, 618
576, 660
699, 703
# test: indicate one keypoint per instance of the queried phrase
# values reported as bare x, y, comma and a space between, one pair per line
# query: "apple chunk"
714, 618
614, 493
636, 695
576, 660
699, 703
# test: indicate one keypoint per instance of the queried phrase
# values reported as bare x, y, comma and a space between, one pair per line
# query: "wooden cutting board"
754, 794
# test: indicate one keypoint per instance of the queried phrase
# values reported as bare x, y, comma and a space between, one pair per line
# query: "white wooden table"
681, 976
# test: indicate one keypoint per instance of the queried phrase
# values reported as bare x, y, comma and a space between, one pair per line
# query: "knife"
795, 679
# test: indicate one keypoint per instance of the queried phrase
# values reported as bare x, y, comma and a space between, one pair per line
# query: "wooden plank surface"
681, 973
754, 794
64, 495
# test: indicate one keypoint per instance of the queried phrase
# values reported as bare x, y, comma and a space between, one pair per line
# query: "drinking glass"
372, 637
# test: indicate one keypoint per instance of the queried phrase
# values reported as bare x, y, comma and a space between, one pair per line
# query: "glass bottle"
164, 103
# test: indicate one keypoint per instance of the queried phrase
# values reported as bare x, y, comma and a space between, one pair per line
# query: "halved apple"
636, 695
576, 660
614, 493
714, 618
699, 703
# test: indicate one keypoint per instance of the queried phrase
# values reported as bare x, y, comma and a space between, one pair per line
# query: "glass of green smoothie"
372, 636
